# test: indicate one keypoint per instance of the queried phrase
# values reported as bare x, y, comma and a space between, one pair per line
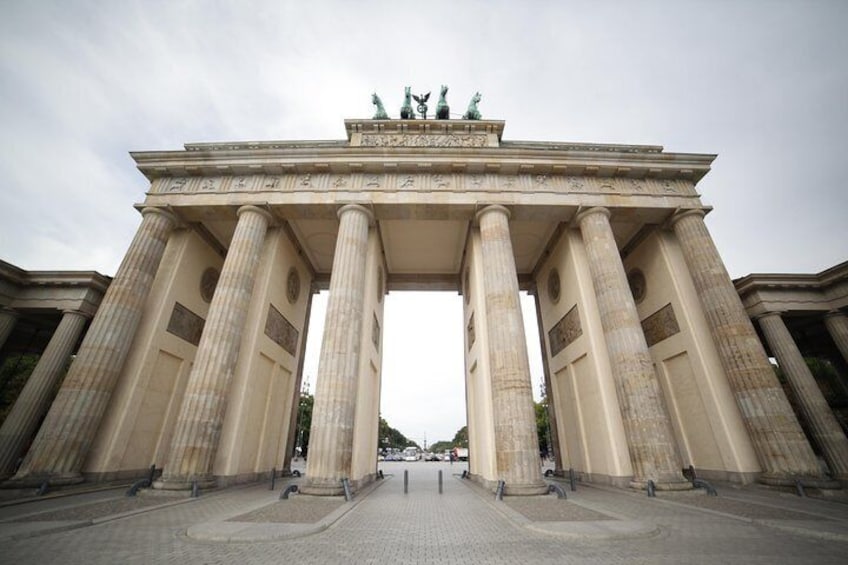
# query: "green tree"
390, 437
441, 446
304, 422
461, 437
543, 425
13, 376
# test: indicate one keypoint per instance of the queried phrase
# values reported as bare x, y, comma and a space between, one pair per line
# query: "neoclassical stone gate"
194, 359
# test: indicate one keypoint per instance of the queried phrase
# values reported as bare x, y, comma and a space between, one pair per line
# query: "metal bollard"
799, 488
405, 481
465, 474
296, 473
42, 490
152, 475
195, 489
500, 490
136, 486
287, 491
651, 488
380, 474
346, 487
440, 481
273, 477
572, 480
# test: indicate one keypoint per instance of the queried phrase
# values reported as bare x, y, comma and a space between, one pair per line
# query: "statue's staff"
422, 104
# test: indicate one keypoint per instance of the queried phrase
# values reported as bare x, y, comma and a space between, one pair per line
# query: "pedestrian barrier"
651, 488
273, 477
405, 481
700, 483
557, 489
440, 481
287, 491
195, 489
572, 479
500, 490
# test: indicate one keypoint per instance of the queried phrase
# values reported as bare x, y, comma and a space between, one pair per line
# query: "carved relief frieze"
281, 331
660, 325
185, 324
417, 181
565, 331
424, 140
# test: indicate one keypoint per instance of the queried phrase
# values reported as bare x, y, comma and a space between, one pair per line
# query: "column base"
775, 480
185, 483
36, 480
322, 487
527, 489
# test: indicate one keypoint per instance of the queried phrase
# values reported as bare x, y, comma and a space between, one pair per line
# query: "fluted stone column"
8, 317
823, 424
837, 326
331, 435
63, 441
653, 450
516, 439
201, 417
34, 400
780, 444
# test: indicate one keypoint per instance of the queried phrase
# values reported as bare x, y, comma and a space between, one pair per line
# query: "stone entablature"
822, 292
51, 290
423, 182
425, 146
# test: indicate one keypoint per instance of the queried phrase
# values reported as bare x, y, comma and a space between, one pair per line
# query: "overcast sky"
764, 84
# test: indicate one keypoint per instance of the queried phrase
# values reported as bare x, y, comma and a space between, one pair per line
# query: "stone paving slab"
298, 509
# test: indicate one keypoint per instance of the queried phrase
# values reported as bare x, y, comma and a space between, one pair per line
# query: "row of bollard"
406, 481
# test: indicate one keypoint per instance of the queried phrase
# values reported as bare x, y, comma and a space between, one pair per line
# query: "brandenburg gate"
194, 358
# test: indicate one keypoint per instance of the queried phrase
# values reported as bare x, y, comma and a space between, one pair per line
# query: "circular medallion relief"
638, 286
293, 286
553, 286
208, 282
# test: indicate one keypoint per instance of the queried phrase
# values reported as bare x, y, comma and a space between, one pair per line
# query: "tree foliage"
304, 422
461, 437
390, 437
13, 376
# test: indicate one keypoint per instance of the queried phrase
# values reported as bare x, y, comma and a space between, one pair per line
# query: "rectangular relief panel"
185, 324
565, 331
281, 331
660, 325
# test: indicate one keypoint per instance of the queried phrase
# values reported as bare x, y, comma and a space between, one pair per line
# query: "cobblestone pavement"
463, 525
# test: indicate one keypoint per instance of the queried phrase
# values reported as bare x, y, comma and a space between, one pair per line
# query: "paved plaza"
462, 525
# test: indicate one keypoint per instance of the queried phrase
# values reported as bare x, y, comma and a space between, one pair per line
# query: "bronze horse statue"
406, 111
442, 108
381, 112
473, 113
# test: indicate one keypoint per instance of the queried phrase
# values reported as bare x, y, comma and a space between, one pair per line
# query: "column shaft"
331, 434
34, 400
780, 444
823, 424
201, 417
653, 450
837, 326
63, 441
516, 439
8, 317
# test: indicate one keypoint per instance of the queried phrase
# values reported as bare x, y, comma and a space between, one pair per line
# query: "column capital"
680, 214
256, 210
356, 207
590, 211
769, 314
80, 313
162, 212
492, 208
